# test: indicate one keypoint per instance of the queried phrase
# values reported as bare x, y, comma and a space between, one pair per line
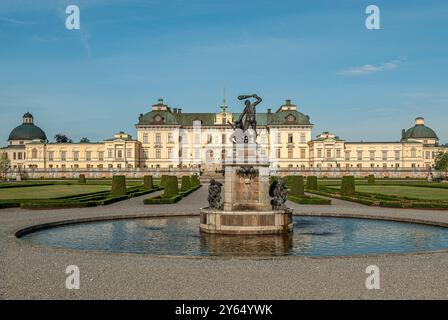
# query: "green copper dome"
27, 130
420, 131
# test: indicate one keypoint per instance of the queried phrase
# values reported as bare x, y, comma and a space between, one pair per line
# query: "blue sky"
360, 84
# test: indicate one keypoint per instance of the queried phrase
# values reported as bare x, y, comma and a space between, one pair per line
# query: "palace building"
171, 140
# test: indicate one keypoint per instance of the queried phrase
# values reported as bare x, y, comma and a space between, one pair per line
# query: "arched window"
34, 153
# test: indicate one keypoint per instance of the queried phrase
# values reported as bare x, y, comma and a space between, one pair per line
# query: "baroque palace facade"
170, 140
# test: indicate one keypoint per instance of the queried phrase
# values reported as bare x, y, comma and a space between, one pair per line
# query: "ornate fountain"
247, 207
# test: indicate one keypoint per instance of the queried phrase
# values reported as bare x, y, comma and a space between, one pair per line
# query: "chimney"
179, 111
402, 133
269, 110
160, 101
288, 102
175, 110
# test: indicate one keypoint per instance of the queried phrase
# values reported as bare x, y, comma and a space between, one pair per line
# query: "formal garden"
69, 193
404, 193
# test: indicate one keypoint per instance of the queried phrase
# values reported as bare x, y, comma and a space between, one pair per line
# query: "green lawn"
48, 192
405, 191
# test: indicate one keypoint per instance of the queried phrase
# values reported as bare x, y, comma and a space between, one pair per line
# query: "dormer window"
290, 118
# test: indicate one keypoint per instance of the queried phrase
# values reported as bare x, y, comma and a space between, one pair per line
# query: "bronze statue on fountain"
247, 207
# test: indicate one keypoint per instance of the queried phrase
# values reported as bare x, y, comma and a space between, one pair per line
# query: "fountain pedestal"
247, 206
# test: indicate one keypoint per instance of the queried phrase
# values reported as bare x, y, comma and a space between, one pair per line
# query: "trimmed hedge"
163, 180
311, 182
186, 193
12, 204
371, 179
185, 184
163, 200
309, 200
82, 179
56, 205
272, 179
112, 200
348, 186
195, 182
296, 185
118, 186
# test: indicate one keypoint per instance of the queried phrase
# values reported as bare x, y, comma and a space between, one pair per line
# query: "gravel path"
28, 271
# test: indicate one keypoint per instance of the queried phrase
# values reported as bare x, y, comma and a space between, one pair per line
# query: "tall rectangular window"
290, 150
101, 155
290, 137
319, 153
128, 153
338, 153
170, 153
145, 138
88, 155
110, 153
158, 138
328, 153
347, 155
397, 155
302, 138
302, 153
223, 139
278, 153
63, 155
384, 155
170, 137
50, 155
372, 155
209, 139
158, 154
278, 137
359, 155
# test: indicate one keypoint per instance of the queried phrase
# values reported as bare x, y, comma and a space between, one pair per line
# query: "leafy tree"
62, 138
84, 140
5, 164
441, 163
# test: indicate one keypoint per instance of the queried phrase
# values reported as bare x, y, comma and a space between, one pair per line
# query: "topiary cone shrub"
311, 182
82, 178
171, 186
118, 186
296, 185
348, 186
147, 182
194, 181
371, 179
185, 184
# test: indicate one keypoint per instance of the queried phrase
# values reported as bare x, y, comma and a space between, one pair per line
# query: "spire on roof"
224, 103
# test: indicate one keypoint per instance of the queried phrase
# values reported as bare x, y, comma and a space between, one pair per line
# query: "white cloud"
370, 68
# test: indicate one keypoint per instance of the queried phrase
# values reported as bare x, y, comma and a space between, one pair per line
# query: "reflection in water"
235, 245
313, 236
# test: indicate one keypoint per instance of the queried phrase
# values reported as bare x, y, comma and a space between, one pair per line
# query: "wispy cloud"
370, 68
14, 21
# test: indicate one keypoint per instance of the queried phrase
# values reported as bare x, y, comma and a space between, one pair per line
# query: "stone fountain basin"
246, 222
